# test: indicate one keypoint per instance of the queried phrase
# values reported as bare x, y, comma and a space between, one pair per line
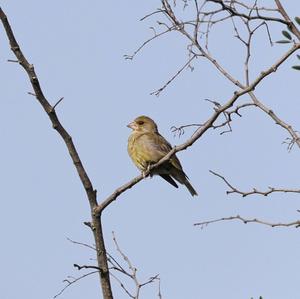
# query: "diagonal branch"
278, 121
289, 22
70, 281
49, 109
156, 35
199, 132
158, 91
81, 244
90, 191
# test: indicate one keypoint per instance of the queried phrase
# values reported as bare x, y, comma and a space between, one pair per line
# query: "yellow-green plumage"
146, 146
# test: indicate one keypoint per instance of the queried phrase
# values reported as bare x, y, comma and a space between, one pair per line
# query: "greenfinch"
146, 147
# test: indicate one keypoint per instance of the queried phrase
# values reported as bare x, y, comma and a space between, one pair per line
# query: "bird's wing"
169, 180
156, 147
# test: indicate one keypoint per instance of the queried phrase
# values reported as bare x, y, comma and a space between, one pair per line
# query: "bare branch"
254, 190
237, 109
199, 132
84, 178
81, 244
122, 285
132, 273
295, 138
180, 130
126, 259
57, 103
288, 21
159, 290
228, 117
116, 266
71, 280
151, 14
233, 12
158, 91
86, 267
295, 224
249, 7
156, 35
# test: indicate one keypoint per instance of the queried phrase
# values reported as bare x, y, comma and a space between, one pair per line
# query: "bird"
146, 147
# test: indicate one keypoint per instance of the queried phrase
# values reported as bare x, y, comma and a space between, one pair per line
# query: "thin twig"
181, 129
156, 35
151, 14
158, 91
131, 273
57, 103
74, 280
122, 285
81, 244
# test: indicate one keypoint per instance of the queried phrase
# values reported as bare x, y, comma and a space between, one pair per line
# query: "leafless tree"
196, 27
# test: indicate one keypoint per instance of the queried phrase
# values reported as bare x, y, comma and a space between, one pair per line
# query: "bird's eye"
140, 122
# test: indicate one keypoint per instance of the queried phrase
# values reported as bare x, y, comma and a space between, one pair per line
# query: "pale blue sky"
77, 49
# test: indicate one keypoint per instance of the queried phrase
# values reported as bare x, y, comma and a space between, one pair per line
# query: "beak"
131, 125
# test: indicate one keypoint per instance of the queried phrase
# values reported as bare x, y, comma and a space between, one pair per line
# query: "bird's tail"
181, 177
190, 188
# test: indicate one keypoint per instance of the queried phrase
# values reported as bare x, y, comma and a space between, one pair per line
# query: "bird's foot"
146, 172
148, 167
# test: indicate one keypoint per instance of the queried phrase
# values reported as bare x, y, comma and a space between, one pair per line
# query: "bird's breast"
135, 152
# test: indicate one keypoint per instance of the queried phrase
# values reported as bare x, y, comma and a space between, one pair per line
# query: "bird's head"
143, 124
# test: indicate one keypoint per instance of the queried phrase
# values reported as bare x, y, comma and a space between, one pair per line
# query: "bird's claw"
147, 171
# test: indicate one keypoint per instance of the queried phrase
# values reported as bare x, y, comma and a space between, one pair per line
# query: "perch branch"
199, 132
